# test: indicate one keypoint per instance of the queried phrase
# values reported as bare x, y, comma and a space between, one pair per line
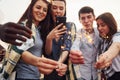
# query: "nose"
86, 19
41, 10
58, 12
99, 28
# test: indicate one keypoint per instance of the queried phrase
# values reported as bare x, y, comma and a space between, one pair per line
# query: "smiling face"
87, 20
102, 28
58, 9
39, 11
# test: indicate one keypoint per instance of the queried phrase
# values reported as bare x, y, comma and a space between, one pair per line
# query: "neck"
89, 31
36, 23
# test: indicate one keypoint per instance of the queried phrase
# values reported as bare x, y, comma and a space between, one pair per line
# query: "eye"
82, 18
45, 9
103, 25
38, 7
61, 8
54, 7
89, 16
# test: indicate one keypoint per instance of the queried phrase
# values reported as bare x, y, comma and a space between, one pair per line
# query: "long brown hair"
43, 25
110, 21
51, 18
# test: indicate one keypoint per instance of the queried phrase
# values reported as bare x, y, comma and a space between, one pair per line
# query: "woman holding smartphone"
59, 41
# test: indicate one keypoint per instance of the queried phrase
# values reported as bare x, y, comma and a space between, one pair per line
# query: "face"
58, 9
86, 19
102, 28
39, 11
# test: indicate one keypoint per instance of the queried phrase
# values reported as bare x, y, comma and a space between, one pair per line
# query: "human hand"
76, 57
46, 66
103, 61
10, 32
62, 68
57, 32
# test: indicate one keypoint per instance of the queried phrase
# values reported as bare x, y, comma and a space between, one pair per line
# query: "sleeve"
116, 37
70, 35
76, 43
25, 45
67, 42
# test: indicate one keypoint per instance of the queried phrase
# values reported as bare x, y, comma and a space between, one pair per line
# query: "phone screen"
60, 20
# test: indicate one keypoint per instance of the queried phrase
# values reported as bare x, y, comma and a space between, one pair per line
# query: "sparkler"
85, 35
80, 35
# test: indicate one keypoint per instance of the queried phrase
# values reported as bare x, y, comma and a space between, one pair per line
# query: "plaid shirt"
109, 71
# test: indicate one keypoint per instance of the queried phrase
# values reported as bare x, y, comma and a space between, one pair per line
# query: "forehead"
100, 21
41, 2
58, 3
86, 14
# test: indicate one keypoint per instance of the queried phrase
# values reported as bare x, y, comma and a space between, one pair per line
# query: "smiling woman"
27, 59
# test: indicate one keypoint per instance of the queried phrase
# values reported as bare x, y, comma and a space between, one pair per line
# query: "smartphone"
60, 20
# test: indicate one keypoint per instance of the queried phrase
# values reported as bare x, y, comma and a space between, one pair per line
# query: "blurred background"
99, 6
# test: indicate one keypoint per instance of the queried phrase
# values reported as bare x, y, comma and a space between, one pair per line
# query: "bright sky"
11, 10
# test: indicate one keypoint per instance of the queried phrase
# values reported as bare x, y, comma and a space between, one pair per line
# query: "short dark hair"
86, 9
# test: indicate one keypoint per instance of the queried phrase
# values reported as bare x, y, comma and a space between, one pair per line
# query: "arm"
67, 42
54, 34
48, 49
113, 50
62, 68
45, 66
30, 58
75, 55
105, 59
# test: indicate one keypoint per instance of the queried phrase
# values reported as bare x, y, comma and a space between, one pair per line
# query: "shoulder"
116, 37
70, 25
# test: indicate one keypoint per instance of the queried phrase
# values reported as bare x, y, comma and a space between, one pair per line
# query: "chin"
103, 36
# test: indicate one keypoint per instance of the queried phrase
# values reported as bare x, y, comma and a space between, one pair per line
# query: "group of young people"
40, 18
96, 48
93, 48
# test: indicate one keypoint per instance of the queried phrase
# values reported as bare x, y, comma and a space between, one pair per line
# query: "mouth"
39, 15
87, 25
102, 34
